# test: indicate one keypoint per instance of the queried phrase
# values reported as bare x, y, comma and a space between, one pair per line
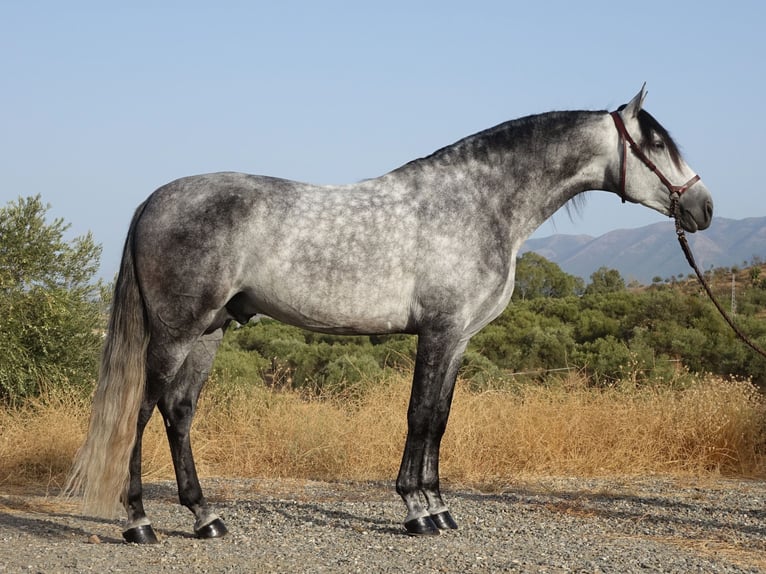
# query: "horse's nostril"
709, 209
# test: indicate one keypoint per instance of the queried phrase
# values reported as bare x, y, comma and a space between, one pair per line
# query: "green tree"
538, 277
50, 315
604, 280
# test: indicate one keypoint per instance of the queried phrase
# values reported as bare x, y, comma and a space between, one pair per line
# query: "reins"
675, 195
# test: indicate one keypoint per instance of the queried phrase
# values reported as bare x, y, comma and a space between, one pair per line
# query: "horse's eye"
658, 145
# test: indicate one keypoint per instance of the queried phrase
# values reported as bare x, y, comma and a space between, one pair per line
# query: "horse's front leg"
436, 367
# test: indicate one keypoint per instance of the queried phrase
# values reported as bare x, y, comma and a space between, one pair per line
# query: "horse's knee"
175, 410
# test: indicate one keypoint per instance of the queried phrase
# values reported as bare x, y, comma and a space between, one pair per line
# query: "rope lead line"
690, 258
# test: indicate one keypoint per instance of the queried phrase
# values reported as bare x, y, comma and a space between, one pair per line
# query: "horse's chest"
493, 294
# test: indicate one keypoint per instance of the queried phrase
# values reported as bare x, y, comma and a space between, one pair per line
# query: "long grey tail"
101, 469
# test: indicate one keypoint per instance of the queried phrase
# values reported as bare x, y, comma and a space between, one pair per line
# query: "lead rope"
690, 258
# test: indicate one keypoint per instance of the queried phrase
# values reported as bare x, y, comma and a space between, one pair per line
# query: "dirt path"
547, 525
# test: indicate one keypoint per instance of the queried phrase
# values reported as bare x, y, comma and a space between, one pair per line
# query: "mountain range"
645, 253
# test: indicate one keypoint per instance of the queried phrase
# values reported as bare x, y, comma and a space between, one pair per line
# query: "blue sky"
101, 103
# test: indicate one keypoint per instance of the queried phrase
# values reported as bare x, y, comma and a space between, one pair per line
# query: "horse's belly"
353, 309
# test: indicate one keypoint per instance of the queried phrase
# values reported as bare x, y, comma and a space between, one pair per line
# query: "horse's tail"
101, 469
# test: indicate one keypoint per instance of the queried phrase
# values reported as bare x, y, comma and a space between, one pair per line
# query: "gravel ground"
546, 525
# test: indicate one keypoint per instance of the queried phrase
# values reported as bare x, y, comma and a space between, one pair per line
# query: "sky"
103, 102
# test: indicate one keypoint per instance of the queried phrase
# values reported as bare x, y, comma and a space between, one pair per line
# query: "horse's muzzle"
695, 209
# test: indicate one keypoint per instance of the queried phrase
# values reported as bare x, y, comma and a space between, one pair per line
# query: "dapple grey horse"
427, 249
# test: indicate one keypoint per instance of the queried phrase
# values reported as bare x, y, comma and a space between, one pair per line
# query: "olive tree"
50, 312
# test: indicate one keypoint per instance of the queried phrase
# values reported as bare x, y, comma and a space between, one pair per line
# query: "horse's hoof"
143, 534
423, 526
214, 529
444, 521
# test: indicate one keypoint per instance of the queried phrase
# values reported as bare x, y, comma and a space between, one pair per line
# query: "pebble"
552, 525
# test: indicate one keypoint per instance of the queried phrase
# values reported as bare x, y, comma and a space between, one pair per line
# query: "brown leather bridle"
675, 190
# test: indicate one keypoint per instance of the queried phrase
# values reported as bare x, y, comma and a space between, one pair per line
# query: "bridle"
675, 190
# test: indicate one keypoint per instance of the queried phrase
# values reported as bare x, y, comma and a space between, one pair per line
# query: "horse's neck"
549, 171
526, 169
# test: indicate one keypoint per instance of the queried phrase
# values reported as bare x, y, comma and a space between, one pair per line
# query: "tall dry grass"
709, 427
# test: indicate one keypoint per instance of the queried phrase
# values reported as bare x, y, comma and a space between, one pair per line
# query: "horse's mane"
511, 133
517, 130
505, 135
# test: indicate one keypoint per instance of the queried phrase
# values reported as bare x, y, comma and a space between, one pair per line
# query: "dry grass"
712, 427
38, 441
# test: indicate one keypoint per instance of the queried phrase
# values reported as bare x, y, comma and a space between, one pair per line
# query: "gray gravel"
547, 525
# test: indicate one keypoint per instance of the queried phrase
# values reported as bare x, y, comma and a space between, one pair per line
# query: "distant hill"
652, 251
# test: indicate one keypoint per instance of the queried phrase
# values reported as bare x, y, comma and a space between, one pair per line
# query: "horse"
427, 249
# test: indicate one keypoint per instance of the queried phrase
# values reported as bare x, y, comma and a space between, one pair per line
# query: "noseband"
675, 190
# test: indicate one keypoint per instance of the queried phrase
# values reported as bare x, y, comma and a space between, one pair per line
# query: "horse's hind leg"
177, 406
139, 529
161, 368
175, 375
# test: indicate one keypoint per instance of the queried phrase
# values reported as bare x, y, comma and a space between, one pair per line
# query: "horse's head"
652, 171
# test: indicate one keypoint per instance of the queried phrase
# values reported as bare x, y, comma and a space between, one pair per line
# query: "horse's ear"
635, 105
